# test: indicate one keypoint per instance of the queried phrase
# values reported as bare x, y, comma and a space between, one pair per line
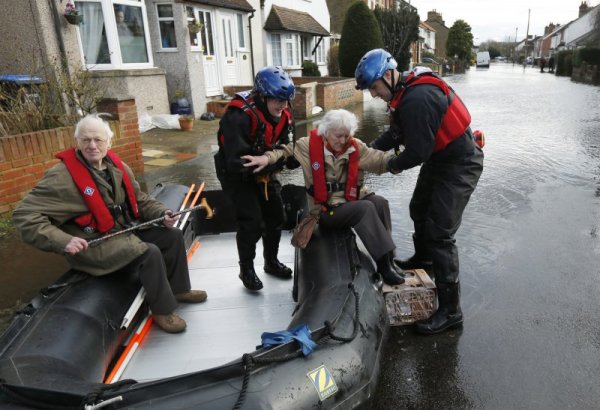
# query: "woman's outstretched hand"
256, 161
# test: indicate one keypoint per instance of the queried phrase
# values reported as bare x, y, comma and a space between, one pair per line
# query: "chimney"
583, 8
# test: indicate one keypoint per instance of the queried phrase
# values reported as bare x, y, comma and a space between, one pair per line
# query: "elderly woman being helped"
333, 162
91, 192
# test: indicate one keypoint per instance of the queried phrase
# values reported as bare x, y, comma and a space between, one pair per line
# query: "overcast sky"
498, 19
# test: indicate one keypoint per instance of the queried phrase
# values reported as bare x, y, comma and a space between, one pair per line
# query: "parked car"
428, 60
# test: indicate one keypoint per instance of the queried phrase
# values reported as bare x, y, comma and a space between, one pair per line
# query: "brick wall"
25, 157
330, 92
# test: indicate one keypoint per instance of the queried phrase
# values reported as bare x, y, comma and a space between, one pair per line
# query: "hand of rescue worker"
76, 245
170, 220
259, 162
391, 165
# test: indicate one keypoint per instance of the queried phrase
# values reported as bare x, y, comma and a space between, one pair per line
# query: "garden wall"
326, 92
25, 157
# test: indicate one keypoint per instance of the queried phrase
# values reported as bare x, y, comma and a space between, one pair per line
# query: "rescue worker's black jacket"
236, 139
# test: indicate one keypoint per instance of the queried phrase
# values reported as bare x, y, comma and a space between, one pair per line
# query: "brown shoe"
191, 296
170, 323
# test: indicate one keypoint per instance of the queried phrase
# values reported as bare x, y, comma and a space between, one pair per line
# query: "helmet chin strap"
391, 86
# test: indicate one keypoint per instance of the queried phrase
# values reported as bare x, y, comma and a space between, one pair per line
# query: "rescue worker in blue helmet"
256, 121
432, 124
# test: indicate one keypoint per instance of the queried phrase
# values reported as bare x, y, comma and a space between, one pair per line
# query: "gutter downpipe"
61, 44
251, 43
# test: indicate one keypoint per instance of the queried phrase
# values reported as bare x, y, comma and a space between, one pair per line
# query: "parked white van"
483, 59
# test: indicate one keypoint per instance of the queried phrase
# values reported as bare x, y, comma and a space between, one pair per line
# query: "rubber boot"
387, 271
396, 268
421, 258
249, 277
274, 267
270, 250
449, 313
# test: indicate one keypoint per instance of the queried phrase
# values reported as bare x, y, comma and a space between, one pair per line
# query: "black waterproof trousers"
257, 216
441, 194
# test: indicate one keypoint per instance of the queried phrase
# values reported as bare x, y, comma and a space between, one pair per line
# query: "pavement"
180, 157
164, 148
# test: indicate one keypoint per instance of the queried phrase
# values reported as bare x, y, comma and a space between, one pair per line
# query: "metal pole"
133, 228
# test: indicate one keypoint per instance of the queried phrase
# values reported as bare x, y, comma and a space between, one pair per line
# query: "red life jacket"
317, 159
456, 119
100, 218
262, 132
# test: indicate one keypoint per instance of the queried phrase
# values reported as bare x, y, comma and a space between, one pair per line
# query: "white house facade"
289, 32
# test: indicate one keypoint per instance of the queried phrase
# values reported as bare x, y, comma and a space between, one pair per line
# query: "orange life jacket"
456, 119
317, 160
263, 134
100, 218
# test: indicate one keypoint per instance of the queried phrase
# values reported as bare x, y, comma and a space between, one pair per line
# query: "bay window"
286, 49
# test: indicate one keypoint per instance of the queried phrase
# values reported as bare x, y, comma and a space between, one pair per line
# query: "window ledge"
132, 72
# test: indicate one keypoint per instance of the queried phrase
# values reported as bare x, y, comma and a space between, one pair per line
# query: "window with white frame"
286, 49
166, 26
320, 52
276, 49
292, 50
115, 33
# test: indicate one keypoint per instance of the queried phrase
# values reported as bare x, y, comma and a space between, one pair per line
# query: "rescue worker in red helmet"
254, 122
432, 124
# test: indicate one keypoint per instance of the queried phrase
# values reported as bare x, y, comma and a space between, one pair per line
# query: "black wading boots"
387, 271
449, 313
274, 267
420, 260
248, 277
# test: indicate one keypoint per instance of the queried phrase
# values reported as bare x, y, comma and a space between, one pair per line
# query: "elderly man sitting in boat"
334, 162
90, 193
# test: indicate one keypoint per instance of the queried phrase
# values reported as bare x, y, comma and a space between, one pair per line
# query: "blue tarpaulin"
300, 333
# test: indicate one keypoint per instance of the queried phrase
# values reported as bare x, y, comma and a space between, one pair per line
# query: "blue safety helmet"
372, 67
273, 82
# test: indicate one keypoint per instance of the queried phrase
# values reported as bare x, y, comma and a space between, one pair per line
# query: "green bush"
310, 69
589, 55
360, 34
564, 63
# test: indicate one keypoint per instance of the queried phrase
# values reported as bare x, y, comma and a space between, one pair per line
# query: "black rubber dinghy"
60, 348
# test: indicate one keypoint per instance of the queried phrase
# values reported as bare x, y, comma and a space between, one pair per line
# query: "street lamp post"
515, 48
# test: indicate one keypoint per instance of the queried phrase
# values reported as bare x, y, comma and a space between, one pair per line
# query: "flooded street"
529, 250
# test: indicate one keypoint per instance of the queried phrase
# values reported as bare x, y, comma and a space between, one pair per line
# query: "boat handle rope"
249, 361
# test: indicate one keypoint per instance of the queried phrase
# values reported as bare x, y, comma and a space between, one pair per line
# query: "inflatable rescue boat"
314, 341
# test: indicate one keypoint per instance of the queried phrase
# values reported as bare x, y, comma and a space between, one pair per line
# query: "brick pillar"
127, 141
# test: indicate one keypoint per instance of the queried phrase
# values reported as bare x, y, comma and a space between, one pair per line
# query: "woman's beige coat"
371, 160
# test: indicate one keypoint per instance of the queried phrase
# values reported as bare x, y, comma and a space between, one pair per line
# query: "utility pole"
527, 36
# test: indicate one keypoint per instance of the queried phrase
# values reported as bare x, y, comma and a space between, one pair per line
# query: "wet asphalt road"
529, 249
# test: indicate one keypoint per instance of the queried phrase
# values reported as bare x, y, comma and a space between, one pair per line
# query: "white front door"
209, 56
228, 47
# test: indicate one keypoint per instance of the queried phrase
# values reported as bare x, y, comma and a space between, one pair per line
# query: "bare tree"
399, 29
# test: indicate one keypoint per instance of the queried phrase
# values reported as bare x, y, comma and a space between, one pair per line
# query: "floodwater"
529, 250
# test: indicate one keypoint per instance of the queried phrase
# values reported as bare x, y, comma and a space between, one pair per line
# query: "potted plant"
195, 26
73, 15
180, 104
186, 122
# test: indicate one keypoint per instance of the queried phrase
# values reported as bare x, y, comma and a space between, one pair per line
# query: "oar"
187, 196
183, 220
153, 221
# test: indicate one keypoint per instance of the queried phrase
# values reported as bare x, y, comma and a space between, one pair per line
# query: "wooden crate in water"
415, 299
